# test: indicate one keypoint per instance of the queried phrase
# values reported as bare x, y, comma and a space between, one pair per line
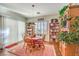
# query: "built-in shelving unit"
30, 29
53, 29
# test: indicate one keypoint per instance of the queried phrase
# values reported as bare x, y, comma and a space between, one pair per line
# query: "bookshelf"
53, 30
30, 29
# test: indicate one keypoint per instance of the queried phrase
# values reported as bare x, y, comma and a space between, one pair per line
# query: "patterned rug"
20, 51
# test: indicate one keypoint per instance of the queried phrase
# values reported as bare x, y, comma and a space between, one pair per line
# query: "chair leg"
25, 48
42, 46
23, 45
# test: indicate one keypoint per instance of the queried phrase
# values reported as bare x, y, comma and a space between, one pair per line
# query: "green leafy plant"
69, 18
63, 23
75, 24
61, 12
71, 37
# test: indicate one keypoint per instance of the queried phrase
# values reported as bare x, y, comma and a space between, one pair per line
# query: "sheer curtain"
41, 27
14, 30
11, 30
21, 30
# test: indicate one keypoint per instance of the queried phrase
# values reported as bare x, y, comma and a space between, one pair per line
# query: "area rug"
20, 51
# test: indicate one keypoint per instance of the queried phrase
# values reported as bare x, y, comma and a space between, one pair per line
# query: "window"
41, 27
13, 31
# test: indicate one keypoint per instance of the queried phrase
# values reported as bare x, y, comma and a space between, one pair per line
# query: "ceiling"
27, 10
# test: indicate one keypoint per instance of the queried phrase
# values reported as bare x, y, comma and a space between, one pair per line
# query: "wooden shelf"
53, 29
30, 29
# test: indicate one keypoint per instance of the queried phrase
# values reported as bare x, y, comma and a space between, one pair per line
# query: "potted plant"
70, 39
61, 12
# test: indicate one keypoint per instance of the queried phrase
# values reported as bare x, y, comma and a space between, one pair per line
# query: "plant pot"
60, 47
57, 44
77, 50
68, 49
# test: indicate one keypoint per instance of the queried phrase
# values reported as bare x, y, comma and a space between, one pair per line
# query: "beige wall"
47, 18
1, 28
11, 14
1, 22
